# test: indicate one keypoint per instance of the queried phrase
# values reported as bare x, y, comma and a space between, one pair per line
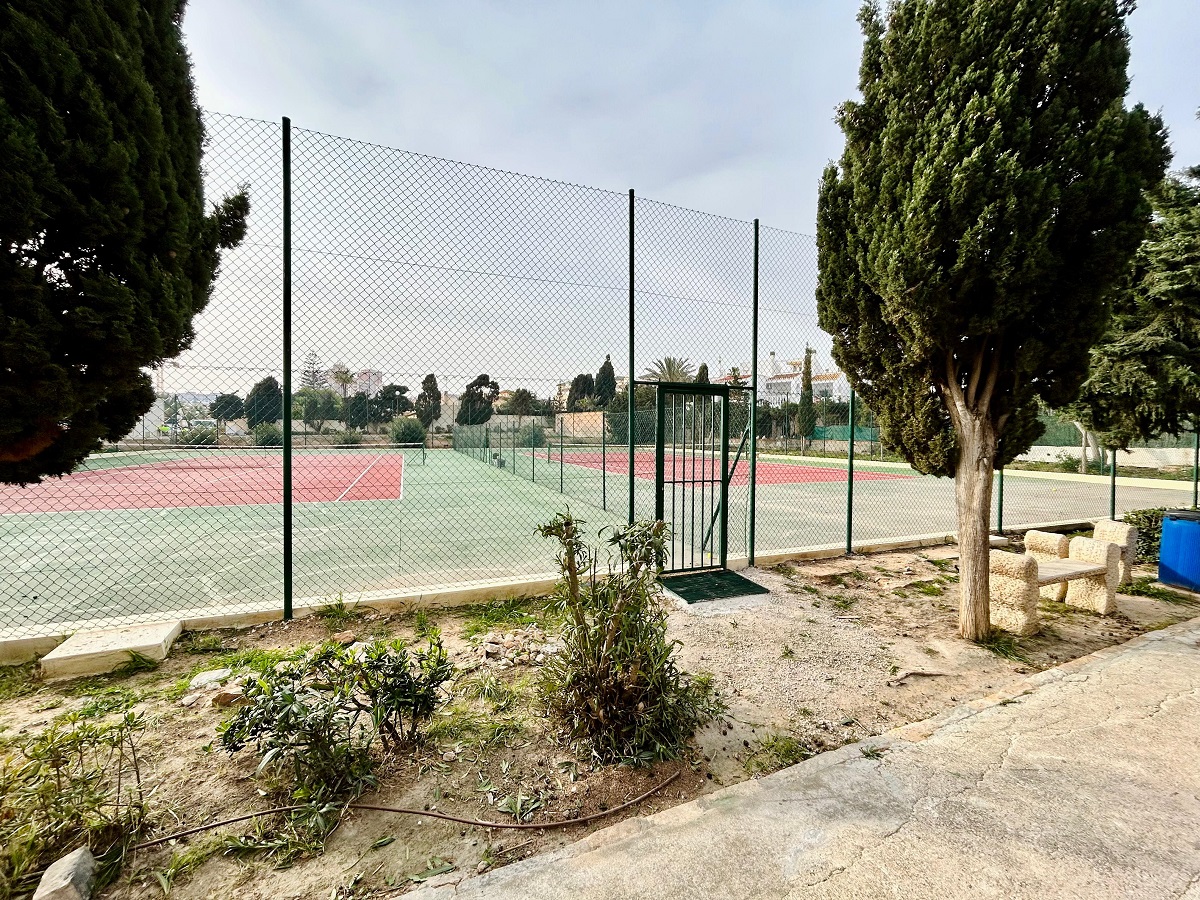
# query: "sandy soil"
838, 651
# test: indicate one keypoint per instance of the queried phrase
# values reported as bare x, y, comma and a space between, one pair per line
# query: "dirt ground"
838, 651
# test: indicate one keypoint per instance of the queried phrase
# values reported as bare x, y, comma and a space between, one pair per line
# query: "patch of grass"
806, 712
1145, 587
858, 575
201, 642
776, 751
255, 659
942, 565
787, 652
786, 569
871, 752
810, 588
424, 627
844, 602
136, 663
455, 722
184, 862
1004, 645
18, 681
839, 580
1159, 626
498, 614
928, 588
337, 614
104, 702
490, 687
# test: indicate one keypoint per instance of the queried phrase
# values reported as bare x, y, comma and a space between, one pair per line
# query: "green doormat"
713, 584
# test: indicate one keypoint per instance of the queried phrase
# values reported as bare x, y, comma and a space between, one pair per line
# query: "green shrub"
349, 438
615, 687
76, 782
315, 720
1148, 522
407, 431
268, 434
196, 437
531, 435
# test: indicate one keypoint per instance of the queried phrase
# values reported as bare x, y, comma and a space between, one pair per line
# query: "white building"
782, 385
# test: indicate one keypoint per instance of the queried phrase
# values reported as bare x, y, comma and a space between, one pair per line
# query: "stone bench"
1086, 576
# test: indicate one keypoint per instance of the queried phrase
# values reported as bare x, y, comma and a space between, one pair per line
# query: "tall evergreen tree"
806, 412
475, 405
1145, 375
106, 253
226, 407
312, 375
606, 383
358, 411
988, 198
583, 386
702, 374
429, 401
264, 403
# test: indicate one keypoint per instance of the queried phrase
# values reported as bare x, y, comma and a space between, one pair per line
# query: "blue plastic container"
1179, 556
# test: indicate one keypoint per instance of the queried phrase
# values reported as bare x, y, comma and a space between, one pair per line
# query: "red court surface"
217, 480
690, 467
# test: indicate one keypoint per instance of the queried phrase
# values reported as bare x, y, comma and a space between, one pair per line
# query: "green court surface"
459, 519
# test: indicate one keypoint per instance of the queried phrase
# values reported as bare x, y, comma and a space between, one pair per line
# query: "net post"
1000, 504
1196, 466
603, 461
850, 482
560, 455
287, 368
753, 414
630, 385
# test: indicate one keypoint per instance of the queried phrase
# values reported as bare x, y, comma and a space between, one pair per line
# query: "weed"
184, 862
1148, 523
520, 805
104, 702
942, 565
871, 752
18, 681
839, 580
75, 782
499, 613
810, 589
1145, 587
844, 602
776, 751
787, 652
455, 723
337, 614
1003, 645
490, 687
858, 575
137, 662
806, 712
424, 627
616, 686
201, 642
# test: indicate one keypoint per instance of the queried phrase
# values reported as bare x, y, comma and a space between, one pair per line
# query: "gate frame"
662, 389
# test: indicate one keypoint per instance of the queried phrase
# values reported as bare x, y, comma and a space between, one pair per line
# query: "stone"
189, 699
210, 678
1014, 592
1096, 593
345, 638
234, 695
68, 878
492, 649
97, 652
1125, 537
449, 756
1046, 546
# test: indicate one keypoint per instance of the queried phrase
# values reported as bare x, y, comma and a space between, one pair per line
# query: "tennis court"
216, 478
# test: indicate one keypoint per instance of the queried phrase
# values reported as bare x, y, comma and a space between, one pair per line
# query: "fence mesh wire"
453, 327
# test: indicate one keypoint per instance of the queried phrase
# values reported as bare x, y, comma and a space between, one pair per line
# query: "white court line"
359, 478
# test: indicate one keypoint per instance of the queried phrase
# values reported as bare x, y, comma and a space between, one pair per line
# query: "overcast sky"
725, 107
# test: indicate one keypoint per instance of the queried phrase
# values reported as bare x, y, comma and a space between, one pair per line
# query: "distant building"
782, 385
368, 381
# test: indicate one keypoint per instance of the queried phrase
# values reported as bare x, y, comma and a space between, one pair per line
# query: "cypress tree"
606, 383
988, 199
429, 401
702, 374
806, 412
264, 403
106, 253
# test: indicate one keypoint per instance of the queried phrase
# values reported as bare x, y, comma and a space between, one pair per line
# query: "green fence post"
1112, 488
850, 482
1000, 504
630, 388
287, 368
560, 456
603, 462
533, 454
753, 413
1196, 469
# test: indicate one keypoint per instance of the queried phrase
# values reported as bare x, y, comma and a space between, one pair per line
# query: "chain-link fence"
455, 363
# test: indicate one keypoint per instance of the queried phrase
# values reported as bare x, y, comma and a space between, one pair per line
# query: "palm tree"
669, 368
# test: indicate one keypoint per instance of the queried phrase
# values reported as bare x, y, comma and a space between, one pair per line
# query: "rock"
345, 638
211, 677
68, 878
491, 649
449, 756
189, 699
230, 696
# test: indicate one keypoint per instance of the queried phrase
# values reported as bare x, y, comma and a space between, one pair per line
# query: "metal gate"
691, 465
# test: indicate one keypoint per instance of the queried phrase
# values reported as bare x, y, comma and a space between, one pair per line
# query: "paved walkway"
1087, 786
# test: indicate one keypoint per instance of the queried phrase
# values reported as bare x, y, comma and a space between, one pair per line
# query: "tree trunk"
973, 497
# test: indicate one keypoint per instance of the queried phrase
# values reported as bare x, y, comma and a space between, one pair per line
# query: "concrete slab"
1082, 781
97, 652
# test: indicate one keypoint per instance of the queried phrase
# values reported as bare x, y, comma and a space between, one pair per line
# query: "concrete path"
1084, 783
